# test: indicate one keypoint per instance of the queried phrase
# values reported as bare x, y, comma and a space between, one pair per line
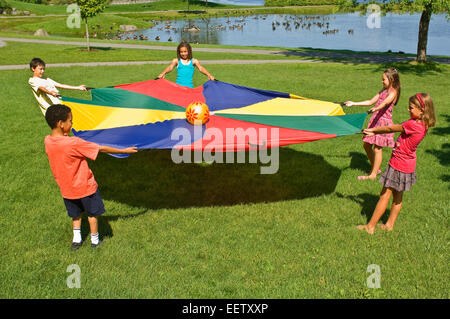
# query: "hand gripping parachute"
151, 115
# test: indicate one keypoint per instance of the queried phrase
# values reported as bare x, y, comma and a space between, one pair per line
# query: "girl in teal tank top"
185, 73
185, 66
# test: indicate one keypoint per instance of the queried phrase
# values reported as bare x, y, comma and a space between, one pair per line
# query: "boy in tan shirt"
45, 90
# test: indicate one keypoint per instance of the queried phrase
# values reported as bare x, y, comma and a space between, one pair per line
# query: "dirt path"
53, 65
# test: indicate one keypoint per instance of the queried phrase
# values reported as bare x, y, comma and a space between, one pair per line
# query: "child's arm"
108, 149
384, 129
202, 69
70, 87
43, 89
388, 100
168, 69
363, 103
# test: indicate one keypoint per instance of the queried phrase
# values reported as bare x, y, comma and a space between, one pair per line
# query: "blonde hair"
424, 103
394, 81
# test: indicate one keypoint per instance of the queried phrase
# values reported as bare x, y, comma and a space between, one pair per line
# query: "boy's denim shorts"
92, 205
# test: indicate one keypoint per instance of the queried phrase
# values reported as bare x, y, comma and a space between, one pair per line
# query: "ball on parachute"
197, 113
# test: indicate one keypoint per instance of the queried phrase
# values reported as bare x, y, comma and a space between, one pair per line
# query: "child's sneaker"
75, 246
96, 245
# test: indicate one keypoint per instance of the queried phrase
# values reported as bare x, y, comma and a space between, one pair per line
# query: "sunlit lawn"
224, 230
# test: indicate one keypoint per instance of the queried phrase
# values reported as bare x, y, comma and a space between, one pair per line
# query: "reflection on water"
338, 31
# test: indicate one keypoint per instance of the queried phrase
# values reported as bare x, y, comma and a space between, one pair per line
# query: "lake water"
337, 31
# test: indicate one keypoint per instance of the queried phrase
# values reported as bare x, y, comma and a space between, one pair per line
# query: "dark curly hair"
56, 113
186, 45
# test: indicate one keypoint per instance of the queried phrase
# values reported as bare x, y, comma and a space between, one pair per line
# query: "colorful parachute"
151, 114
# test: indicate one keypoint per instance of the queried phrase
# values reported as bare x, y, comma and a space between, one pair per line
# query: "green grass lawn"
58, 25
224, 230
20, 53
38, 9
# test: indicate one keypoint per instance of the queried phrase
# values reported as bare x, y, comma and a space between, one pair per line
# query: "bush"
5, 6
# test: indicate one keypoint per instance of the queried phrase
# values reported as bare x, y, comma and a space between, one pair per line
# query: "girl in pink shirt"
382, 116
400, 174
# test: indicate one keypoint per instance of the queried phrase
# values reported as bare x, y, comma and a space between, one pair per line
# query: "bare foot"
362, 178
386, 227
366, 228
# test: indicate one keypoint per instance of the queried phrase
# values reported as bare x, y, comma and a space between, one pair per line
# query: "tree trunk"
87, 34
423, 33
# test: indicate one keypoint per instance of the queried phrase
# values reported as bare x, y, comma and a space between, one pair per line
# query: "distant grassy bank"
170, 5
107, 24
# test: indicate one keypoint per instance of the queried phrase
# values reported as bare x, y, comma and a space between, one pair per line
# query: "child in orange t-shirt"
67, 157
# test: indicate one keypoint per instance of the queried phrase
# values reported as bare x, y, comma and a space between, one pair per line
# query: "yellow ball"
197, 113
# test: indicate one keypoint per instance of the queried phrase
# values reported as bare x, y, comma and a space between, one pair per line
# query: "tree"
89, 9
187, 4
426, 7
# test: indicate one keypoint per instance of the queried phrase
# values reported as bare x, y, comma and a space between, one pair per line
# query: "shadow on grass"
359, 161
368, 203
150, 179
440, 130
411, 67
402, 62
94, 49
102, 48
205, 4
446, 178
442, 155
105, 229
76, 49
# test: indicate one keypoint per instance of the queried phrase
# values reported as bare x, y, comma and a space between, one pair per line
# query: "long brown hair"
424, 103
394, 80
187, 46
